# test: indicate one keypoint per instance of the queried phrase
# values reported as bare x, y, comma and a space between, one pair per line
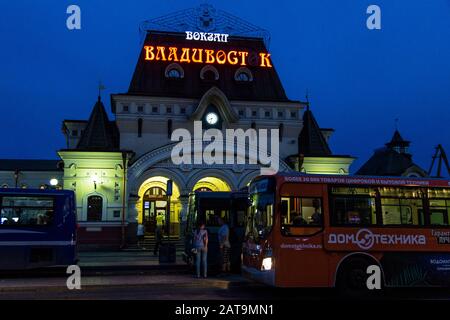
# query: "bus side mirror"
284, 208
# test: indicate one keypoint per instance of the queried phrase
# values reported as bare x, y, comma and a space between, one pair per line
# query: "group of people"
200, 248
199, 245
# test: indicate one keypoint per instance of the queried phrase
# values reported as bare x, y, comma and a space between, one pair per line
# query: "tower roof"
149, 76
311, 140
397, 141
100, 133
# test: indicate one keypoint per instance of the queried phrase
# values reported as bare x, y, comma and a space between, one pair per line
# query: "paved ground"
139, 275
180, 287
122, 258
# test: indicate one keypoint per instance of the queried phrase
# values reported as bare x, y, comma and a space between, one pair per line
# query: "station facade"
119, 167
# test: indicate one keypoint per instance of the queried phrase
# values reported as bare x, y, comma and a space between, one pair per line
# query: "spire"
99, 134
311, 141
398, 143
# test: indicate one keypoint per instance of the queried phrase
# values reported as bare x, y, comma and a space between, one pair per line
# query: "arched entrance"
154, 209
154, 206
211, 184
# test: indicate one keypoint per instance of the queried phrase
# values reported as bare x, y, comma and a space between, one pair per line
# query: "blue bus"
208, 207
37, 228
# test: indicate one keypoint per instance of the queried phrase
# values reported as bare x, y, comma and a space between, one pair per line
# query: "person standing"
225, 246
201, 249
158, 239
140, 235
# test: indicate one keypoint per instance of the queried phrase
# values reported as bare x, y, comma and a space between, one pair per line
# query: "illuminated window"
299, 214
243, 75
31, 211
174, 71
94, 208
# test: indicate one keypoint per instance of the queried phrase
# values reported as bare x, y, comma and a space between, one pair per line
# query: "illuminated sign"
207, 36
195, 55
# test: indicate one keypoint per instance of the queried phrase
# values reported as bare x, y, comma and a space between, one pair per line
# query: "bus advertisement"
326, 231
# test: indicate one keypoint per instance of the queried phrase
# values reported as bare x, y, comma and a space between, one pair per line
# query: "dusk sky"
359, 80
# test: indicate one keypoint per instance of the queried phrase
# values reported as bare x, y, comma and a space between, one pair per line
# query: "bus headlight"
267, 264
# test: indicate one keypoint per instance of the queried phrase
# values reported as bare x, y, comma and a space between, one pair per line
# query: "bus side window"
301, 216
353, 211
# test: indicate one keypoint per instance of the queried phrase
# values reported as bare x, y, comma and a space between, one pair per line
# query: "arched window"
174, 71
243, 74
209, 73
140, 127
94, 208
169, 128
203, 189
280, 131
154, 192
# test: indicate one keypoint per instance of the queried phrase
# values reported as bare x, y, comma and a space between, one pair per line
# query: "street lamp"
54, 182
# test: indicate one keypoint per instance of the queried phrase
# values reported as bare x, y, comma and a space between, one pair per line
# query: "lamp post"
16, 177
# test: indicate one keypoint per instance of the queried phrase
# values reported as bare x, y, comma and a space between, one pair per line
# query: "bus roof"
36, 191
361, 180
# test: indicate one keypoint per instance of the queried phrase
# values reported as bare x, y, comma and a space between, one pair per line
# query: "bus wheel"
352, 277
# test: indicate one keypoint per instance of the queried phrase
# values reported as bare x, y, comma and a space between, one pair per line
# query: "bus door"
301, 260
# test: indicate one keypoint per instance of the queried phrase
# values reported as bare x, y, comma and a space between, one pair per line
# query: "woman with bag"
201, 249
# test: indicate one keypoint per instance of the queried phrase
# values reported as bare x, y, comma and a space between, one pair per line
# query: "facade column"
132, 219
184, 200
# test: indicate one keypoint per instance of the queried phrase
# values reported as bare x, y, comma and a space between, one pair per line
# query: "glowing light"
267, 264
196, 55
54, 182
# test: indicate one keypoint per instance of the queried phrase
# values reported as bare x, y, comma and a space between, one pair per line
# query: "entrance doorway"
154, 209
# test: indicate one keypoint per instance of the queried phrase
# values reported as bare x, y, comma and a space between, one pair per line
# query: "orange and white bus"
325, 231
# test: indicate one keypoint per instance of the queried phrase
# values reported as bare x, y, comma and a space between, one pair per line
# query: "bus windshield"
260, 218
